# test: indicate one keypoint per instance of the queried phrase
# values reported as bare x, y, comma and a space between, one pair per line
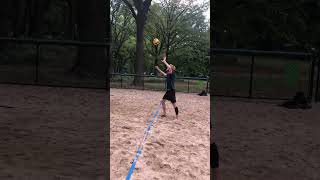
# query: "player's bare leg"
163, 108
176, 109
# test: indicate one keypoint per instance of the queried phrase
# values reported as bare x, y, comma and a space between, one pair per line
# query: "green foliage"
182, 30
123, 37
55, 17
267, 24
292, 73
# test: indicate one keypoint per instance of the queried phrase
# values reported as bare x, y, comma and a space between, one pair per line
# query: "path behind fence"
182, 84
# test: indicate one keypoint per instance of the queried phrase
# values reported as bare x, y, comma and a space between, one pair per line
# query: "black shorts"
170, 95
214, 156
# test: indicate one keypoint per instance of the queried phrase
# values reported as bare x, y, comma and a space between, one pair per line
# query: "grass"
262, 86
273, 77
268, 65
231, 84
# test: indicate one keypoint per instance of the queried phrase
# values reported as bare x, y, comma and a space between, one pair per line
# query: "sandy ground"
259, 140
52, 133
176, 149
58, 133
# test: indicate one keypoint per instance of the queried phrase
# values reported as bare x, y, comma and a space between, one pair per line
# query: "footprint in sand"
165, 166
159, 143
148, 163
175, 152
194, 154
191, 175
124, 162
126, 127
159, 166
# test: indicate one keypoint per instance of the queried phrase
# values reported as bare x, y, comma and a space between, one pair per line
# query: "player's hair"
172, 67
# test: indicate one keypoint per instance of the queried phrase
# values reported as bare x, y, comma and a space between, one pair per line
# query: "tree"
4, 18
122, 29
183, 31
92, 61
139, 10
265, 24
40, 7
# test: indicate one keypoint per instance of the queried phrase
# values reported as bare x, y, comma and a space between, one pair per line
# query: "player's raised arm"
164, 60
169, 68
161, 72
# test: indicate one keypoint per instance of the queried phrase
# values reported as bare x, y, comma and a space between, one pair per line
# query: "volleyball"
156, 41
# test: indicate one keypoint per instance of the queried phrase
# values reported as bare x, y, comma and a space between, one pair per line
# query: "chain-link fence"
236, 73
182, 84
262, 74
53, 63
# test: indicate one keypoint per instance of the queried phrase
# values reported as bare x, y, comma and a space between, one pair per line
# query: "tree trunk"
139, 65
20, 19
4, 18
155, 60
28, 19
39, 8
71, 20
92, 60
74, 7
167, 46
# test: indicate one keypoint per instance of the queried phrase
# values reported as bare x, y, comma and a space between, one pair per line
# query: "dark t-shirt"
170, 81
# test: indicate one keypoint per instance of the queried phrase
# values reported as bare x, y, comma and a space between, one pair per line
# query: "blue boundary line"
142, 144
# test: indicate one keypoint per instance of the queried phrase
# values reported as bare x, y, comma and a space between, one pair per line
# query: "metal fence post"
142, 82
207, 88
311, 78
188, 84
317, 96
37, 63
121, 79
251, 77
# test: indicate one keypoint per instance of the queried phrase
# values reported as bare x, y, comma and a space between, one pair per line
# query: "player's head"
173, 67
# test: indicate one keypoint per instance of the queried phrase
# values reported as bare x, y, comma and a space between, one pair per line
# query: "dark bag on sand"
299, 101
203, 93
214, 156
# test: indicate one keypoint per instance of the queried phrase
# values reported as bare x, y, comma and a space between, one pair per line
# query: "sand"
259, 140
176, 149
52, 133
59, 133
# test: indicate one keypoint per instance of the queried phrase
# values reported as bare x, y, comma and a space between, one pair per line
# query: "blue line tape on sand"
133, 165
